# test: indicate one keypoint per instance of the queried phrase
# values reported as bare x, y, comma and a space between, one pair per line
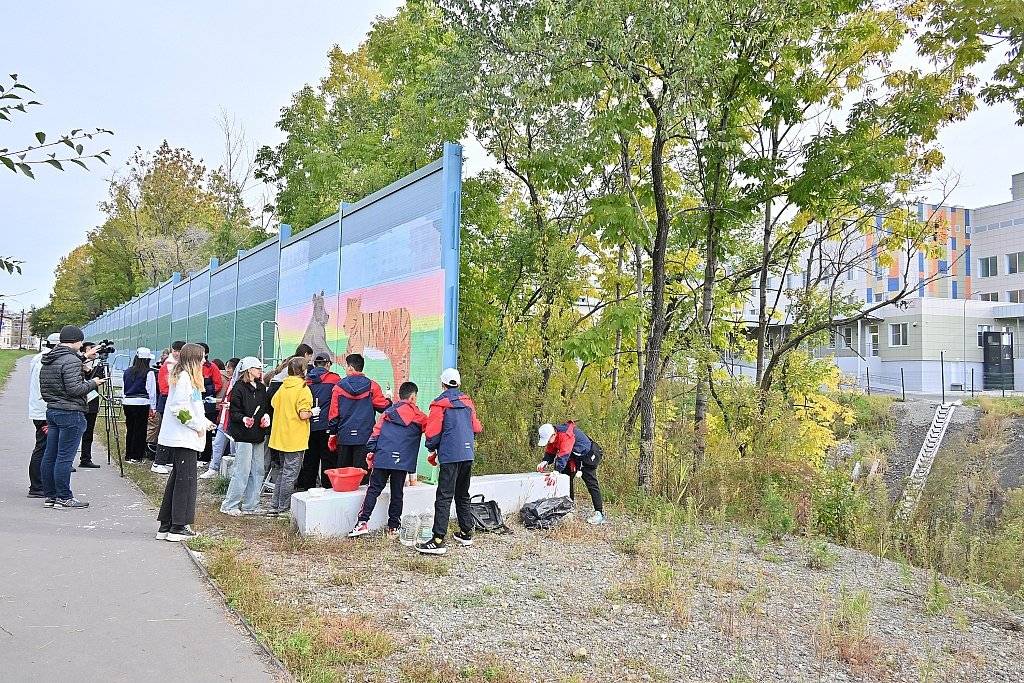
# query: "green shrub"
776, 515
836, 504
820, 556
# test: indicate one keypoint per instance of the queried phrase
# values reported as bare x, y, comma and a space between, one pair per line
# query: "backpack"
487, 515
546, 513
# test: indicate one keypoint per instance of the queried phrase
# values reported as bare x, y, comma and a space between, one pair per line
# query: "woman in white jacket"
183, 433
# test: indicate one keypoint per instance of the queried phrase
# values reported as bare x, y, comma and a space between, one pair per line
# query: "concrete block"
329, 513
227, 463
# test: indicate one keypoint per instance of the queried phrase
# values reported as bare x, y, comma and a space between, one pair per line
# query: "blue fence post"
451, 183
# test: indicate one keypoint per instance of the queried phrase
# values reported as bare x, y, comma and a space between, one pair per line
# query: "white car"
118, 364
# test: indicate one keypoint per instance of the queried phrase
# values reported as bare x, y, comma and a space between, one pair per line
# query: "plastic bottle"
410, 530
426, 530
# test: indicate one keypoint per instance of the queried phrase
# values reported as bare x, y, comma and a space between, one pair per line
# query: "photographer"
64, 388
91, 369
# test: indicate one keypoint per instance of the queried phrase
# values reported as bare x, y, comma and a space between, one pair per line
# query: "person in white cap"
139, 385
450, 432
37, 413
572, 452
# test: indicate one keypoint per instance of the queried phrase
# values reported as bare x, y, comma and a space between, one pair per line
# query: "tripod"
111, 414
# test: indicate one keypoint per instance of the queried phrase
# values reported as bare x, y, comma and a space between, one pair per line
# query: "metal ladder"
925, 459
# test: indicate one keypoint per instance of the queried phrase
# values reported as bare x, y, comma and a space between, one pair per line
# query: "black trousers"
311, 473
589, 476
35, 477
352, 456
178, 506
136, 419
379, 478
453, 484
211, 415
90, 427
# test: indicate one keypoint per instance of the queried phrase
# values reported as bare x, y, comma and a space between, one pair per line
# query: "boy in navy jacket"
394, 447
570, 451
354, 401
451, 432
321, 382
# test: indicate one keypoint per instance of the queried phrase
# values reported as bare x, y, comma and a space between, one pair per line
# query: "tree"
23, 157
370, 121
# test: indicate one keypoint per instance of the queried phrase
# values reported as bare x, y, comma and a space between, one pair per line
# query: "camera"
105, 348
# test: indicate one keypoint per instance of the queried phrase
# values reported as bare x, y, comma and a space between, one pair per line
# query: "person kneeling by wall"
572, 452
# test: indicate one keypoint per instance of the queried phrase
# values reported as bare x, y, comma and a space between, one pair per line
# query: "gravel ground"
583, 604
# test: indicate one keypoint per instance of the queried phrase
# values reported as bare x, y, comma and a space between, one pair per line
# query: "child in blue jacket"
451, 430
394, 447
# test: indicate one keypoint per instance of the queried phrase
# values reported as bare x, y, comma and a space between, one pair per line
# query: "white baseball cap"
144, 352
451, 378
544, 434
248, 363
53, 339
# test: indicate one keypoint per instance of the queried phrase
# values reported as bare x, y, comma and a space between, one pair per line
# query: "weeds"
845, 629
424, 565
820, 556
442, 672
936, 598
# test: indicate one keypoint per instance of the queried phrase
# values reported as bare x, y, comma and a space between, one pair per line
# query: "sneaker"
255, 511
180, 534
36, 494
161, 534
48, 502
268, 487
434, 546
391, 532
596, 518
233, 512
463, 539
70, 503
360, 529
209, 474
160, 469
89, 465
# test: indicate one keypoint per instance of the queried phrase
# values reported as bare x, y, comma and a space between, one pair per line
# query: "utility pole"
3, 306
21, 332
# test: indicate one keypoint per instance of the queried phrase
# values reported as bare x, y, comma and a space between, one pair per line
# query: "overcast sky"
155, 71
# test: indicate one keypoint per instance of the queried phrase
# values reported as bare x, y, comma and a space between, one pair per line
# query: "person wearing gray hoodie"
65, 391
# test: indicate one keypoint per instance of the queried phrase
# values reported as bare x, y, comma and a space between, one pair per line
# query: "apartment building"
937, 335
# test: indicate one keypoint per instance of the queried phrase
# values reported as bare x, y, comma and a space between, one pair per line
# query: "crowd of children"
306, 420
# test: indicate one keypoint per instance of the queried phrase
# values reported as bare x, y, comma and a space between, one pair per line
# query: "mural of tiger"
387, 331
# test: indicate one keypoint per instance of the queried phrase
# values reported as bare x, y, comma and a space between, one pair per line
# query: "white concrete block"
227, 463
330, 513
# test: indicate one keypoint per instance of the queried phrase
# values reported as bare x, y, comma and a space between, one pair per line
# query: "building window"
989, 266
1015, 296
873, 331
982, 329
898, 334
846, 335
991, 296
1015, 263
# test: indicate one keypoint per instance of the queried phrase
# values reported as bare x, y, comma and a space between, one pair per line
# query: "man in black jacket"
64, 388
90, 370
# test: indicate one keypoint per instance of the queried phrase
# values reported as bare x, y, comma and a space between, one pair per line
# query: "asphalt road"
89, 595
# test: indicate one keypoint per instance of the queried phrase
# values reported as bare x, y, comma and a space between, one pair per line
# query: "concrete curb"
242, 621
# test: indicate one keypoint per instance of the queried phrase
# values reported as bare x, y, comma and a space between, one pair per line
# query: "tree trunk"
618, 333
700, 407
656, 329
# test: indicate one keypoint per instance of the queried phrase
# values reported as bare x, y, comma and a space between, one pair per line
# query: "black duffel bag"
546, 513
487, 515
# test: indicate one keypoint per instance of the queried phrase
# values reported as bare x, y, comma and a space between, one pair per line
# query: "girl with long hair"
248, 426
183, 433
138, 383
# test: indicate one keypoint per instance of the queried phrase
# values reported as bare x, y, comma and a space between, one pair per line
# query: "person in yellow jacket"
289, 433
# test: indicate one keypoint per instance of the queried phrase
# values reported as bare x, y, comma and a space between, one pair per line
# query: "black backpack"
487, 515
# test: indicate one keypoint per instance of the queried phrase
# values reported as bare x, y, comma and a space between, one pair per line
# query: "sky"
156, 71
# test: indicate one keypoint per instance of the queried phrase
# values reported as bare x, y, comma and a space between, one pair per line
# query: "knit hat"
69, 334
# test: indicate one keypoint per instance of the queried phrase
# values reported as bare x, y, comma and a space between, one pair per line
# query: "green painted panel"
247, 329
197, 328
221, 329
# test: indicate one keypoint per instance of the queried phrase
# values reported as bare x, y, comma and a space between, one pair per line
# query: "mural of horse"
387, 331
316, 330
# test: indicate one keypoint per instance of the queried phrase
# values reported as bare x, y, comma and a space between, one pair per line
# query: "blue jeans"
64, 433
246, 477
221, 443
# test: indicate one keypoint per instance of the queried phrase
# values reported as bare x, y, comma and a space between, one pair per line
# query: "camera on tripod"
105, 348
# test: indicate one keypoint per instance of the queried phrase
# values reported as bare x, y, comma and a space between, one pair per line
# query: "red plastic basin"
345, 478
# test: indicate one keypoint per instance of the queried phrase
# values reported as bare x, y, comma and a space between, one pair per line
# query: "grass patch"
936, 598
219, 485
425, 565
820, 556
845, 630
312, 646
8, 357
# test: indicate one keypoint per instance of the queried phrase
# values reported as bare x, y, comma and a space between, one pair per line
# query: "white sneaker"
209, 474
233, 512
361, 529
596, 518
160, 469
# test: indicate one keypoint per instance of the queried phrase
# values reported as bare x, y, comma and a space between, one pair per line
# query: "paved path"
89, 594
